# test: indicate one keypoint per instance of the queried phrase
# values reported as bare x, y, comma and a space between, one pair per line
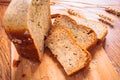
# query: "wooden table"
111, 44
5, 59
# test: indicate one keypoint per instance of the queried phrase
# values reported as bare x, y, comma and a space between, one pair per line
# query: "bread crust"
24, 44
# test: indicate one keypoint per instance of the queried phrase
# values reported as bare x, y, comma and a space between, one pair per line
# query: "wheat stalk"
105, 17
75, 13
105, 22
113, 11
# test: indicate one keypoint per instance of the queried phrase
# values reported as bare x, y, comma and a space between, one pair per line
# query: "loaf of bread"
27, 23
100, 29
65, 48
85, 36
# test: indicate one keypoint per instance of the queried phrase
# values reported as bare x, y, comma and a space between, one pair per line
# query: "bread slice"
100, 29
70, 55
85, 36
27, 23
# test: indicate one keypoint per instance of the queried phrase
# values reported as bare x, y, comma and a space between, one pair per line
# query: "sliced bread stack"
27, 23
85, 36
65, 48
70, 41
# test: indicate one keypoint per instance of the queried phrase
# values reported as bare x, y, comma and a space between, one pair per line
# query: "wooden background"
5, 59
5, 1
111, 44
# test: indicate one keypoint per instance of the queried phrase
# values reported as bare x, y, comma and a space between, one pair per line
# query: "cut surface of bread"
85, 36
26, 22
64, 47
39, 21
100, 29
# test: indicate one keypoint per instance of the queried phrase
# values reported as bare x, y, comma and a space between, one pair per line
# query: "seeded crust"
17, 24
85, 36
65, 48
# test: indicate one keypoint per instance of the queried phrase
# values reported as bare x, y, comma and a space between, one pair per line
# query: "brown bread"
65, 48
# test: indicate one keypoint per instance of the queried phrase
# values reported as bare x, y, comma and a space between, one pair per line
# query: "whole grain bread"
100, 29
27, 23
85, 36
65, 48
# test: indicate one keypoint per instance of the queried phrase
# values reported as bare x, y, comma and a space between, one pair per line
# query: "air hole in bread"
66, 47
38, 23
51, 43
69, 59
32, 20
58, 39
75, 36
75, 53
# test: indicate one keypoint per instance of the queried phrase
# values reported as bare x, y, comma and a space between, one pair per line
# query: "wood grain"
100, 68
50, 69
5, 60
112, 45
5, 1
